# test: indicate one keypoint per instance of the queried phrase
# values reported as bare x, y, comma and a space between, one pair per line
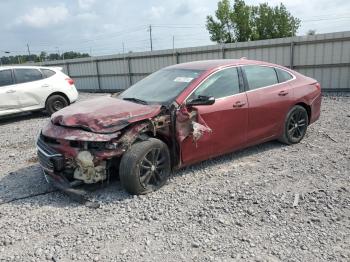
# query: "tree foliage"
240, 22
43, 56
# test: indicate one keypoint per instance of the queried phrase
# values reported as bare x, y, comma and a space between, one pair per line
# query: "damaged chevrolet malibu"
175, 117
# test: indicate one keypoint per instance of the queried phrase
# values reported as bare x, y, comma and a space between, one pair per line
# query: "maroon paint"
229, 128
260, 117
104, 114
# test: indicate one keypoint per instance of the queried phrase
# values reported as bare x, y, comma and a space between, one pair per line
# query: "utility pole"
58, 52
150, 36
123, 47
173, 43
28, 49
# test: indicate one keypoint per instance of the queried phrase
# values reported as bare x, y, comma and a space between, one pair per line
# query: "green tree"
71, 55
240, 22
42, 56
311, 32
221, 31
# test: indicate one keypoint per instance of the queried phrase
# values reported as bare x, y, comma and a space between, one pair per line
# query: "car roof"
213, 64
29, 67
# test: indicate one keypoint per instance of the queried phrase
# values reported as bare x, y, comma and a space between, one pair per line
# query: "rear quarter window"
6, 78
260, 76
283, 76
24, 75
47, 73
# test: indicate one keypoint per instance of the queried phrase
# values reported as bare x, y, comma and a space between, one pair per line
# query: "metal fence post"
98, 75
291, 65
129, 70
223, 55
67, 65
177, 57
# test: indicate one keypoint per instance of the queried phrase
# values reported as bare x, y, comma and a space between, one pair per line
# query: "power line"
325, 19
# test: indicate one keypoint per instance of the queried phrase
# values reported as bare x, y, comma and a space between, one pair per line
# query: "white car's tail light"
70, 81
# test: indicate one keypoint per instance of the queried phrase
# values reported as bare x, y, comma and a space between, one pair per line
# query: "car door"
9, 102
227, 117
269, 101
30, 87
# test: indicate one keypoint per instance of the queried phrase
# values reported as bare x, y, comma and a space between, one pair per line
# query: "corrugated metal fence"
325, 57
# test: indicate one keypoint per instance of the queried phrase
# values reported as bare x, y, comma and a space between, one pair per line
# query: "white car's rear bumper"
72, 94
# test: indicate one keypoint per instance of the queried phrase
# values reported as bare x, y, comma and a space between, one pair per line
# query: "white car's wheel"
55, 103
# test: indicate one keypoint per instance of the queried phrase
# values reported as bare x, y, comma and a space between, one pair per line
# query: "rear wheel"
295, 125
145, 167
55, 103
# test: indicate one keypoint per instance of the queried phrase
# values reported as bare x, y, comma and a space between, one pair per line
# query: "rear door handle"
283, 93
45, 85
238, 104
10, 91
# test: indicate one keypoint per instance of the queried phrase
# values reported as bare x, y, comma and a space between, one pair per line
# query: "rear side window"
221, 84
283, 76
6, 78
24, 75
260, 76
47, 73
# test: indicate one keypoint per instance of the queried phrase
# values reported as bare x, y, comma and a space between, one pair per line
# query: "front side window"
221, 84
24, 75
161, 87
260, 76
6, 78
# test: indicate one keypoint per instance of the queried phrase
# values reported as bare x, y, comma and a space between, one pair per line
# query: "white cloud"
86, 4
156, 12
86, 16
40, 17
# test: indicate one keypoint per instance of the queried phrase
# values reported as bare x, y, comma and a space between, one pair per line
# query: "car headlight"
111, 145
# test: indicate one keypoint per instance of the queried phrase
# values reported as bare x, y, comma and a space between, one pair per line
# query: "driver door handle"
239, 104
283, 93
10, 91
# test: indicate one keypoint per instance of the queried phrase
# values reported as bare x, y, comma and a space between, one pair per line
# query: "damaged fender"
190, 123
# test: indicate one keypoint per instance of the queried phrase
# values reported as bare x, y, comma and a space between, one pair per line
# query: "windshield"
161, 87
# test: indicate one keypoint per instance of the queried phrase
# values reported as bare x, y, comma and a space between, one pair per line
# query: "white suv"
29, 88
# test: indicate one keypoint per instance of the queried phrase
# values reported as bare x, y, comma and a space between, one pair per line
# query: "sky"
102, 27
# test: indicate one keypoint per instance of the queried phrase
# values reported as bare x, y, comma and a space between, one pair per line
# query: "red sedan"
177, 116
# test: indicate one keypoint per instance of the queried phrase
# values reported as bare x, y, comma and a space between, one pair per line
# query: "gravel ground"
267, 203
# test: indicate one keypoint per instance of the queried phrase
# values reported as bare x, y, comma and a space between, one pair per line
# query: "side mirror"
201, 101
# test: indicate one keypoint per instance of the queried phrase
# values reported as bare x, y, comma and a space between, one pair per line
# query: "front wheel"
145, 167
295, 125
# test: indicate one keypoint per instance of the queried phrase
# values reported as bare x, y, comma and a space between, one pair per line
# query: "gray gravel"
267, 203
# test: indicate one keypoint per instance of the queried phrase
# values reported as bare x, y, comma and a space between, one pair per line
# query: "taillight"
318, 86
70, 81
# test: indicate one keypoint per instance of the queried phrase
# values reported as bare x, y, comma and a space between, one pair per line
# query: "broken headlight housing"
111, 145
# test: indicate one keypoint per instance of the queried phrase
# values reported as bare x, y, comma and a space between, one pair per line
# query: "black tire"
145, 167
55, 103
295, 125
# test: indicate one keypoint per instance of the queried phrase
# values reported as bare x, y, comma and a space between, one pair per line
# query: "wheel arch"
307, 108
58, 93
166, 140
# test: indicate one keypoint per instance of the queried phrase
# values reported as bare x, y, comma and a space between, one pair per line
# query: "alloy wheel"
297, 124
152, 168
57, 105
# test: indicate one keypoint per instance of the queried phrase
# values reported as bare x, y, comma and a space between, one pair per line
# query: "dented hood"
103, 115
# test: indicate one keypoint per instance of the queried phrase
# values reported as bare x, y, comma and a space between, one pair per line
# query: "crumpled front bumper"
50, 160
53, 164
